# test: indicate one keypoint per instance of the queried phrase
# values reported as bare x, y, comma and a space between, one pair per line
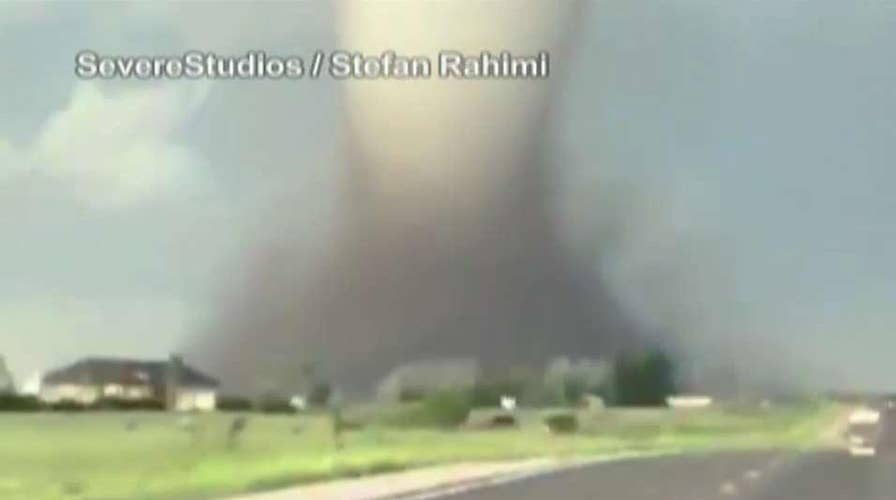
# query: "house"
180, 386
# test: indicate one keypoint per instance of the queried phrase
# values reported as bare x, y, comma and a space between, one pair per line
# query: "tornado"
446, 243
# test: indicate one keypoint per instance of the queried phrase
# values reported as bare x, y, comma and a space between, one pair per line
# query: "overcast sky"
759, 136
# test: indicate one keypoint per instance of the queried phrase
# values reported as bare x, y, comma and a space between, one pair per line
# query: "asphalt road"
823, 475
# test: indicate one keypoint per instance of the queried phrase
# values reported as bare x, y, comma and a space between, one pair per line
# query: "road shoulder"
432, 481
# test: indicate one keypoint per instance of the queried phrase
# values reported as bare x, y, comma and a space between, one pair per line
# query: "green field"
97, 455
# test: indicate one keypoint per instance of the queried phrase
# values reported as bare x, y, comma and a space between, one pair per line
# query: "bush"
275, 405
233, 403
119, 404
15, 402
68, 405
502, 420
562, 423
447, 408
444, 409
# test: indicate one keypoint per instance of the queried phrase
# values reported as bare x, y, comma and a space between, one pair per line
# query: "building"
178, 385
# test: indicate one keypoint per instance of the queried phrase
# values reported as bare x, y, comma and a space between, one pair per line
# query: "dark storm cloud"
723, 169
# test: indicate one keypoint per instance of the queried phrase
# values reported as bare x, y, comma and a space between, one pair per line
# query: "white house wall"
85, 394
195, 399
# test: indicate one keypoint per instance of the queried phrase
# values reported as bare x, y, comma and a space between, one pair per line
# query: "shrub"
15, 402
275, 405
119, 404
562, 423
502, 420
447, 408
67, 405
233, 403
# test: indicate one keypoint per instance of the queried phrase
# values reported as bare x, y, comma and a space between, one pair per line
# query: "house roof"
126, 372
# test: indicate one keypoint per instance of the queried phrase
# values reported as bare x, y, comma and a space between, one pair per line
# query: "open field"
100, 456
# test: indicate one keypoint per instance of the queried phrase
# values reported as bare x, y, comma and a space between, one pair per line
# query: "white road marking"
856, 440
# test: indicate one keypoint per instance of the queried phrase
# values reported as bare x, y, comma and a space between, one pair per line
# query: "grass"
94, 456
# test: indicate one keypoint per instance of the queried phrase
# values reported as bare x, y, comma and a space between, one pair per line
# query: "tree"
643, 379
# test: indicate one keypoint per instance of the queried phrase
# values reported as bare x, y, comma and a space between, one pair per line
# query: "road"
822, 475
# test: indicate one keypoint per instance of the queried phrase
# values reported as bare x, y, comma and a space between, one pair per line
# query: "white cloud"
121, 148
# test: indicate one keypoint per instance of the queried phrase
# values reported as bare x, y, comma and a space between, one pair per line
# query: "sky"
745, 146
